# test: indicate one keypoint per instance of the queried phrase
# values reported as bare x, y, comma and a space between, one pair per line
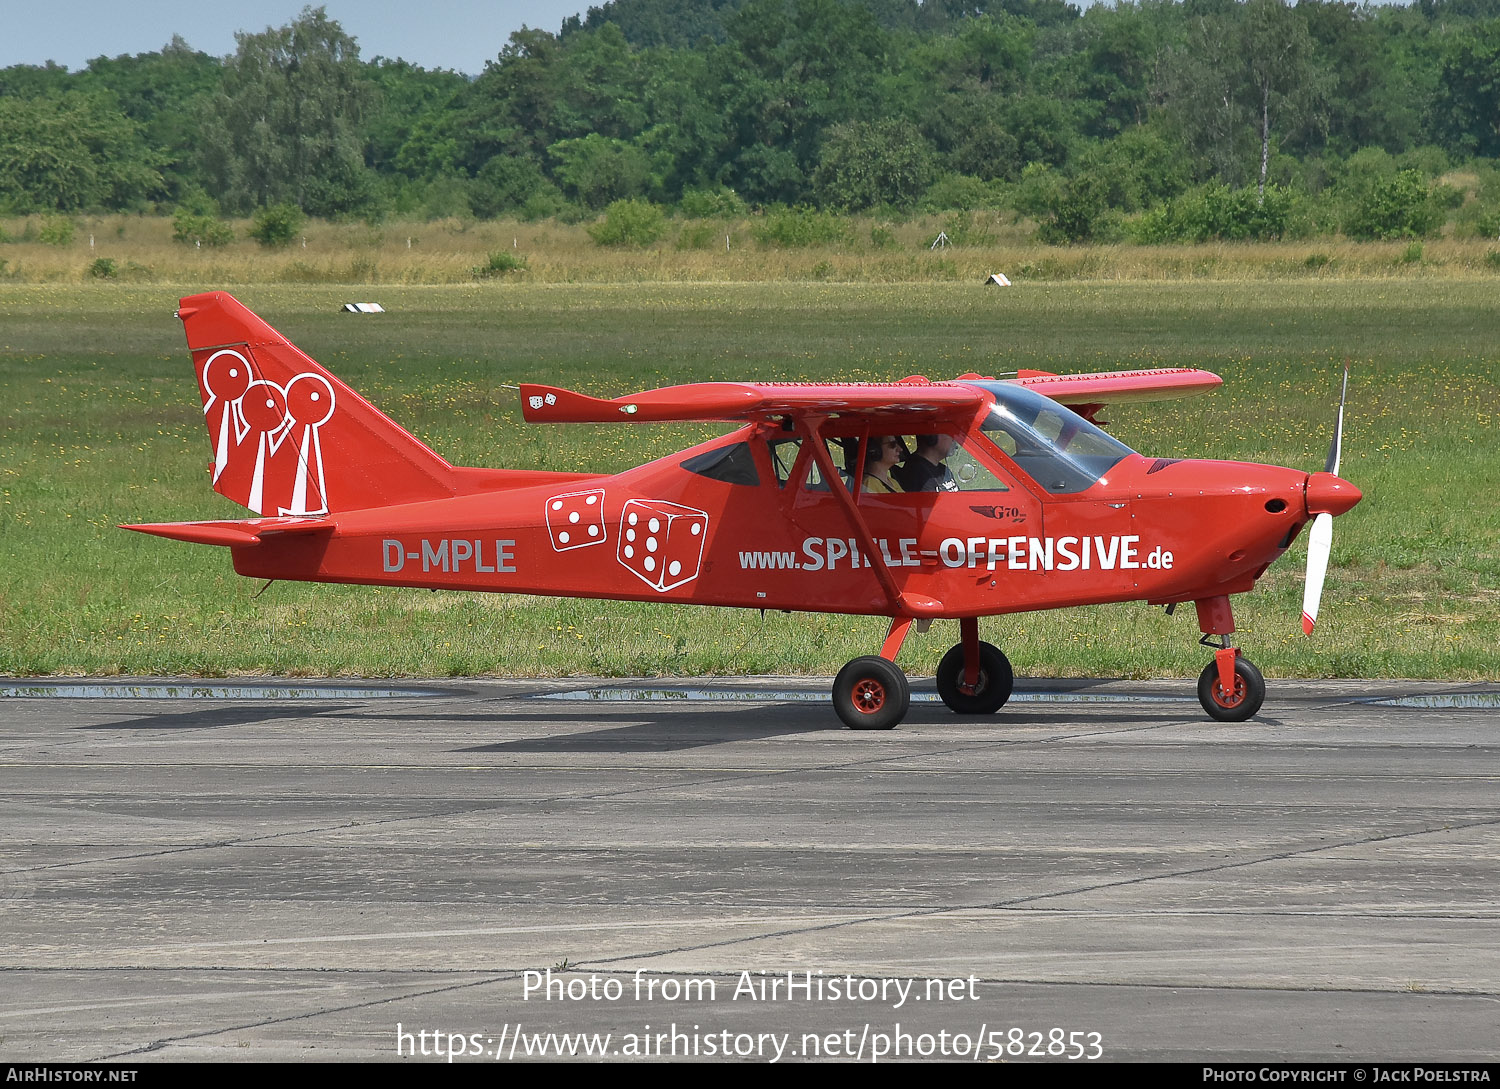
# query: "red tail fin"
287, 436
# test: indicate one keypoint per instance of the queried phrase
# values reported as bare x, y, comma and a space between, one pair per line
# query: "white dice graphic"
576, 519
661, 542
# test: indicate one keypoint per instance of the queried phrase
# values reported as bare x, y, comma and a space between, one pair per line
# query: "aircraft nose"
1329, 494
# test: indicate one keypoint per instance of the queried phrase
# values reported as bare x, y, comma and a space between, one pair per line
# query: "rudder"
288, 438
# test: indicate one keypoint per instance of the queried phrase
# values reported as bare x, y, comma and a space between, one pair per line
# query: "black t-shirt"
917, 474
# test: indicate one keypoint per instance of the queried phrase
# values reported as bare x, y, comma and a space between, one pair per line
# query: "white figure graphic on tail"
245, 404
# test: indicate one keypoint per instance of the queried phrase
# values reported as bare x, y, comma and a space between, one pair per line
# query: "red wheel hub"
1230, 699
869, 696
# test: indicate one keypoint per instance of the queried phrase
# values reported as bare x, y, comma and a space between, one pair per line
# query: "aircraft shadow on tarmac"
642, 727
662, 732
217, 718
639, 730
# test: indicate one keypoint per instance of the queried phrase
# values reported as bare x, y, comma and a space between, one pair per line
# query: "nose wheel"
871, 693
1234, 702
1231, 689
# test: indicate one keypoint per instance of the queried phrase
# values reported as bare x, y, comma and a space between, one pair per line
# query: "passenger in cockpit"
883, 452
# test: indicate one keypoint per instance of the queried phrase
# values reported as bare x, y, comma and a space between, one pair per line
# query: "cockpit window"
784, 453
971, 474
733, 464
1055, 446
842, 452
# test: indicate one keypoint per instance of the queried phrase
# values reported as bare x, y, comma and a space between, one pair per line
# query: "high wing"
912, 399
753, 401
1111, 387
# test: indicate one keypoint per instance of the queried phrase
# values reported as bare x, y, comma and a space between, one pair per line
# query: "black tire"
1249, 692
871, 693
996, 680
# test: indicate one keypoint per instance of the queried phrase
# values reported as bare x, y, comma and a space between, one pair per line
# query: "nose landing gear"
1237, 700
1230, 688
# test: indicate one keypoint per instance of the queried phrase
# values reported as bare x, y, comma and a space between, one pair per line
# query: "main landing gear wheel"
1249, 692
871, 693
996, 679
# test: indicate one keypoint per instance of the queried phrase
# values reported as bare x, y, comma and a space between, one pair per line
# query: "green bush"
961, 192
720, 203
104, 268
56, 231
793, 228
630, 222
1079, 212
1412, 254
1153, 227
1447, 197
1482, 222
499, 263
200, 230
277, 227
546, 201
1038, 191
1241, 215
1218, 213
1400, 206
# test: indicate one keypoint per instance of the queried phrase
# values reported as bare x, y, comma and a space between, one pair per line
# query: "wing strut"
901, 604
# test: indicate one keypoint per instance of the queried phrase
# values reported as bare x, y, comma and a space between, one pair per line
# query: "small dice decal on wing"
661, 542
576, 519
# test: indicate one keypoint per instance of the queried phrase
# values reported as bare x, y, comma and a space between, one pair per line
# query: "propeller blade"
1320, 539
1337, 446
1319, 544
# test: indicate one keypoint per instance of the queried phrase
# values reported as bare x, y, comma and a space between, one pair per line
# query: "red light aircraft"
1036, 507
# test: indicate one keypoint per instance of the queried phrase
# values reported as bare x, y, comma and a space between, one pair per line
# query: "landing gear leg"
974, 678
872, 693
1230, 688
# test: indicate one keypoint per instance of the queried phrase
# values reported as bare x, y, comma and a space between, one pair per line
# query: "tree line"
1153, 120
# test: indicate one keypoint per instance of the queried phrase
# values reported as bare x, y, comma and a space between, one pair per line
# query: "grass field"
102, 425
704, 251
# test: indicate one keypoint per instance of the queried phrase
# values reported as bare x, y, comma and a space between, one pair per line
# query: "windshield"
1055, 446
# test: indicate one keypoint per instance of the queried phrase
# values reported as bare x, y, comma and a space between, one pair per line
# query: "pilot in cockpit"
925, 469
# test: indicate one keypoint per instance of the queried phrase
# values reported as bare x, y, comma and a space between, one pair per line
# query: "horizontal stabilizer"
240, 534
